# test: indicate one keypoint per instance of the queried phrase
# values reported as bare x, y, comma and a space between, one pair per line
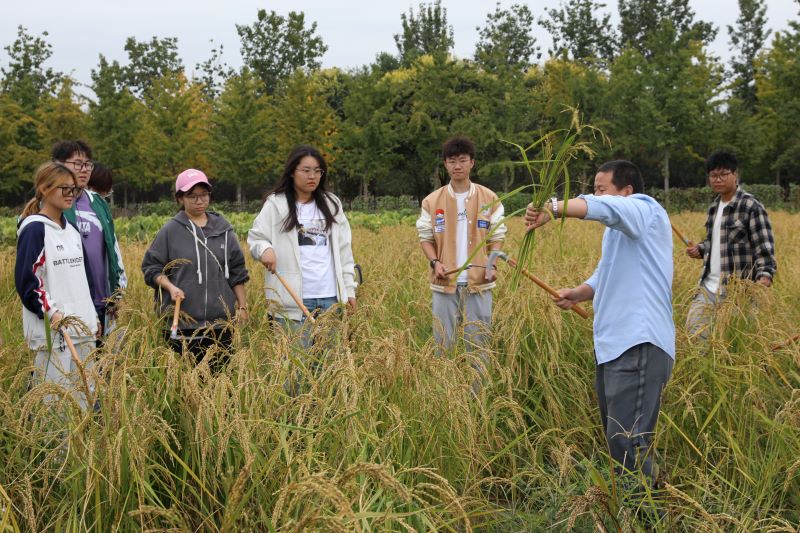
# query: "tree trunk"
665, 172
125, 197
778, 176
239, 195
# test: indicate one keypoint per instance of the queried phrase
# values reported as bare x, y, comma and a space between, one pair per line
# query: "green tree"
579, 32
115, 119
778, 102
20, 150
664, 49
274, 46
214, 72
26, 79
149, 61
748, 38
240, 134
424, 33
644, 22
507, 40
174, 130
302, 114
61, 115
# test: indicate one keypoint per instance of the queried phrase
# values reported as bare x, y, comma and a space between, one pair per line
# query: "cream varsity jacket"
437, 224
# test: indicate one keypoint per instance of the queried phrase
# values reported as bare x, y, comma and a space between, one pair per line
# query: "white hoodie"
50, 276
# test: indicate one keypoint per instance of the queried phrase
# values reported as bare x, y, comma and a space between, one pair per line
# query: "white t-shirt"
316, 259
462, 235
712, 279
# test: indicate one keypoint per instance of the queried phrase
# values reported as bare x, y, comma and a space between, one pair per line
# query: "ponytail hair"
48, 176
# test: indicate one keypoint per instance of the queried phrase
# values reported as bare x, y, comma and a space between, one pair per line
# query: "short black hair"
63, 149
458, 146
722, 159
624, 173
101, 179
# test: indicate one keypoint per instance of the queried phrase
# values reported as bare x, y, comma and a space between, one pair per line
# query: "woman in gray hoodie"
196, 258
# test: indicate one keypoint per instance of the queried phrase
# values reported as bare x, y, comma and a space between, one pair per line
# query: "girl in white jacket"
52, 282
302, 234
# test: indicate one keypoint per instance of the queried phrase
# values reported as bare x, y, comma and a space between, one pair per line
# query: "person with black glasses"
92, 216
53, 280
738, 244
196, 259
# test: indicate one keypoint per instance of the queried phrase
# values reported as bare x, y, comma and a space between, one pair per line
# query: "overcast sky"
354, 30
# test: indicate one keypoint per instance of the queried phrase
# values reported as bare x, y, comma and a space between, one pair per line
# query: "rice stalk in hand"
549, 168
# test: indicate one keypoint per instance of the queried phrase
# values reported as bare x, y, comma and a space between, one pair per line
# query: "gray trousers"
473, 309
701, 311
629, 393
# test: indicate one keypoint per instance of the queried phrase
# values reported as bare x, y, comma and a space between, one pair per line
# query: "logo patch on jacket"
438, 221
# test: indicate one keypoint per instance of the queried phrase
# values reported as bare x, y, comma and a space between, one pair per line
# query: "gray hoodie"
216, 266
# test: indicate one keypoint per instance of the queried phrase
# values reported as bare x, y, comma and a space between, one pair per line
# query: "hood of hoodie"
215, 226
40, 218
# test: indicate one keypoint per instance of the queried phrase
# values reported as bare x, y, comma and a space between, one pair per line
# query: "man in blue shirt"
631, 291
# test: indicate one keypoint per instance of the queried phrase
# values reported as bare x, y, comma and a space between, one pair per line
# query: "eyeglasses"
79, 165
199, 197
318, 172
68, 190
460, 161
719, 176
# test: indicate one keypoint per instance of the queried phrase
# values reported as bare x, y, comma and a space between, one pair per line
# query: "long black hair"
320, 195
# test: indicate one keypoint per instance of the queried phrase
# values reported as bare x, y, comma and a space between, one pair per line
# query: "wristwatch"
433, 262
554, 206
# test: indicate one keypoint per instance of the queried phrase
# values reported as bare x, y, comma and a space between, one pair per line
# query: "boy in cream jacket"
454, 223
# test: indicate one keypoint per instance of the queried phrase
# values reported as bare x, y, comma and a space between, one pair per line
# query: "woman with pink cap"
206, 271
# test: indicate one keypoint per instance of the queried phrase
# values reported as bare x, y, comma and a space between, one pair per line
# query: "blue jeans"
315, 306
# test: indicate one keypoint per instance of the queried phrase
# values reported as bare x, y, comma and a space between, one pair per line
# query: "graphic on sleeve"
312, 234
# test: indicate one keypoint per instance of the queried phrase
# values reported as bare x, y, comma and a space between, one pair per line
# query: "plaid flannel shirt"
747, 247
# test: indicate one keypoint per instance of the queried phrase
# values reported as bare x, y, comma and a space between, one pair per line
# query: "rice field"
388, 436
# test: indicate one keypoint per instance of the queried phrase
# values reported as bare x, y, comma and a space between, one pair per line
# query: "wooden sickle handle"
680, 235
175, 316
297, 300
578, 309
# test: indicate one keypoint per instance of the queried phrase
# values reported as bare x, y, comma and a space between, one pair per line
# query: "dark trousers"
629, 393
196, 342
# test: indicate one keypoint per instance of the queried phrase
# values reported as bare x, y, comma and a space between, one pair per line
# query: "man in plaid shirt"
738, 242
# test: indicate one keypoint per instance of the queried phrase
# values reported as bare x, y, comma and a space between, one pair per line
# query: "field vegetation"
388, 436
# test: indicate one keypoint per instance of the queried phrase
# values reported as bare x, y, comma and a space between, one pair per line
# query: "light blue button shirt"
633, 280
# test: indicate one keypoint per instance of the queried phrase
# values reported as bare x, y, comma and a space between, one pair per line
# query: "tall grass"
388, 436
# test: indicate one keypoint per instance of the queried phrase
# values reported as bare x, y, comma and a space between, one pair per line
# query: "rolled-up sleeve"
629, 214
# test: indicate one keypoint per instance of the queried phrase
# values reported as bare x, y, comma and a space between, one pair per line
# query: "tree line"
649, 84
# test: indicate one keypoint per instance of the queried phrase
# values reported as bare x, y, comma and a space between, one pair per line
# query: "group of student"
69, 265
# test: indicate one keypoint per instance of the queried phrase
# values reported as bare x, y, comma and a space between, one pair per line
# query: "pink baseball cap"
188, 179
